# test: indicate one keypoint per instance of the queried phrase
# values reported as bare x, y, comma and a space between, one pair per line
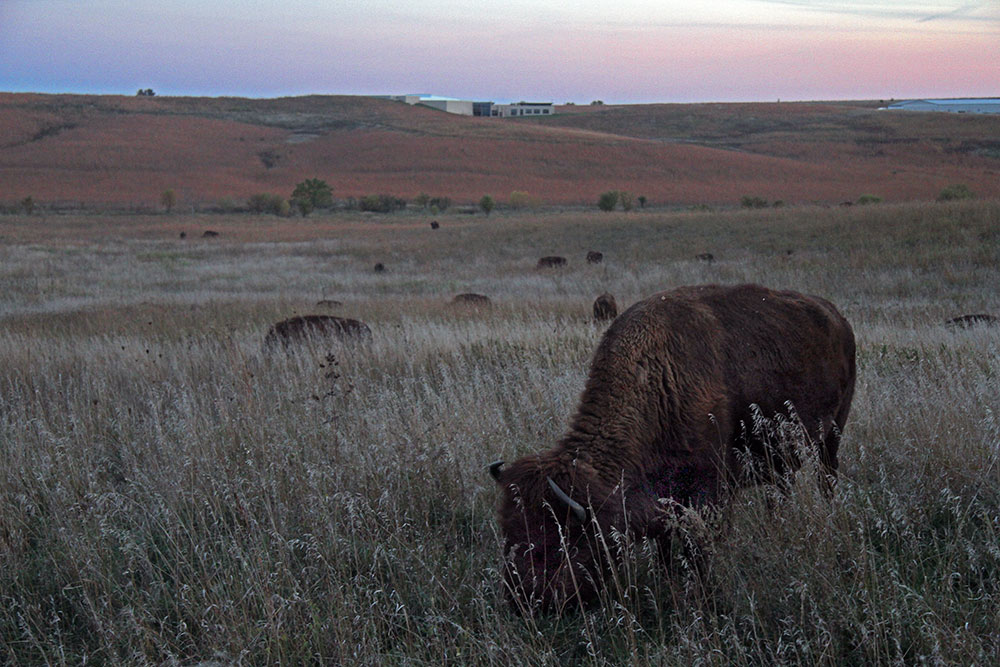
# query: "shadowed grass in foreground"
171, 493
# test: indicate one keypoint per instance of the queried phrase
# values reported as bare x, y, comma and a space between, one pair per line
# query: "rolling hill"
124, 151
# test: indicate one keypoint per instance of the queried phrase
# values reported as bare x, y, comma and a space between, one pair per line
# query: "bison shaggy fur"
671, 417
595, 257
299, 329
605, 307
551, 262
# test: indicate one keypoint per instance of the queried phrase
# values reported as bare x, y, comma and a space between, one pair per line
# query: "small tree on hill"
168, 199
311, 194
628, 202
487, 204
642, 201
608, 200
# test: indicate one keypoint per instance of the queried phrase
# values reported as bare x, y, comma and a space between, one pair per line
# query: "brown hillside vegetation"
115, 150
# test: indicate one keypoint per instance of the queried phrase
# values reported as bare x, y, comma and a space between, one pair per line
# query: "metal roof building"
960, 105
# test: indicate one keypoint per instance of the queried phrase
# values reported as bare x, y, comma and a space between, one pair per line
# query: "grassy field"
169, 493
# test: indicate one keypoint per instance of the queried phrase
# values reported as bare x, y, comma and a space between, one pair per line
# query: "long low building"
959, 105
473, 108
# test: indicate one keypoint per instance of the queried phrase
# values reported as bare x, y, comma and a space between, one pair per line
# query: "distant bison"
299, 329
594, 257
551, 262
705, 257
968, 321
435, 224
691, 393
329, 303
473, 300
183, 235
605, 308
379, 267
209, 234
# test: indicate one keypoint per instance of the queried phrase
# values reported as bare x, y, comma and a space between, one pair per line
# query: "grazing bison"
473, 300
605, 308
435, 224
329, 303
299, 329
183, 235
209, 234
379, 267
968, 321
673, 415
705, 257
594, 257
551, 262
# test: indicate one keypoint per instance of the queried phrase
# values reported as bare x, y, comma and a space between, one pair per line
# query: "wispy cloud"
978, 12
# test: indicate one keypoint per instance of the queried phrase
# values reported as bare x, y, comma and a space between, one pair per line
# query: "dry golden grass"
169, 493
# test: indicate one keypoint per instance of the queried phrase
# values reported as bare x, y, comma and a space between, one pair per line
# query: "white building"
968, 105
523, 109
471, 108
449, 104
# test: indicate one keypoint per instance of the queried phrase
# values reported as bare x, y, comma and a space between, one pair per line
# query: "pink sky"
627, 51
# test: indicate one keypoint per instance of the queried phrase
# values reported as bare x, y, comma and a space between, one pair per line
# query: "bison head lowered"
555, 549
668, 420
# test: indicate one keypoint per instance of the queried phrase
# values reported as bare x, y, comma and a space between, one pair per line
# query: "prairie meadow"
171, 493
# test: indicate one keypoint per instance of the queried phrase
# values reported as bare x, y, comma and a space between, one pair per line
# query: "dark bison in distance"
672, 410
551, 262
605, 307
472, 300
969, 321
298, 329
595, 257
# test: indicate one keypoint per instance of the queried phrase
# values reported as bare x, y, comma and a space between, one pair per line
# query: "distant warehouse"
472, 108
969, 105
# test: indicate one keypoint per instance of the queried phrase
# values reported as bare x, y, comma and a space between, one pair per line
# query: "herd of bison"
691, 394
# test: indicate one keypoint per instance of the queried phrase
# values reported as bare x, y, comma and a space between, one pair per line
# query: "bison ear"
495, 470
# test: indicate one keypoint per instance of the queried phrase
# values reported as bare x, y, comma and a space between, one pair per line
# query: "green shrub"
487, 204
864, 200
608, 200
265, 202
440, 203
954, 192
311, 194
168, 199
751, 201
381, 203
521, 199
627, 200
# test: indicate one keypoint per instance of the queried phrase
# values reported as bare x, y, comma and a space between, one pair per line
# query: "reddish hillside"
127, 150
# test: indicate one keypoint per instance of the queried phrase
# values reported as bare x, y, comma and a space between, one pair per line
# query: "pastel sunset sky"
625, 51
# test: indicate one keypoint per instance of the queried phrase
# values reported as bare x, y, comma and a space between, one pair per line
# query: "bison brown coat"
605, 307
298, 329
668, 412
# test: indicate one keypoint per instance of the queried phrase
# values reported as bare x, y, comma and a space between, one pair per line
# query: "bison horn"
577, 508
495, 470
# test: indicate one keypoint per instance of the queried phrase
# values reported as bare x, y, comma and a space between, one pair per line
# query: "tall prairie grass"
170, 493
